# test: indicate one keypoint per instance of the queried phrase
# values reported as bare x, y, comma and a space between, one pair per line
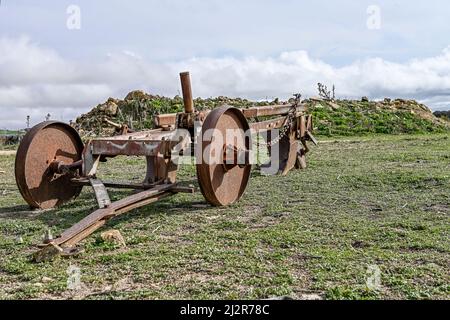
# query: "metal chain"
283, 130
287, 123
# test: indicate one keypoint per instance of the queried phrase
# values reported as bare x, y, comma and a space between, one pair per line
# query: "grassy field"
363, 203
7, 147
8, 132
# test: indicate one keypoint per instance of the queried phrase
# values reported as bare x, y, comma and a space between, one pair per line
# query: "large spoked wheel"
223, 184
47, 143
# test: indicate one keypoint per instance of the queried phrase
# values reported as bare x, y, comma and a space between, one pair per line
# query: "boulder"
136, 95
334, 105
113, 236
111, 108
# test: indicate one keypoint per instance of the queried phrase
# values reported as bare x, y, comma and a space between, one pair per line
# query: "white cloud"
35, 80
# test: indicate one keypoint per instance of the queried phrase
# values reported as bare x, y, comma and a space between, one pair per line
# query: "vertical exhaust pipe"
187, 92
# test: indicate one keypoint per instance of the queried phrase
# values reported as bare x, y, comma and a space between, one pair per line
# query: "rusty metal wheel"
223, 184
45, 143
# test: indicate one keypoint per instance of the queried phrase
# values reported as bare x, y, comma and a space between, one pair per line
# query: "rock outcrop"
331, 117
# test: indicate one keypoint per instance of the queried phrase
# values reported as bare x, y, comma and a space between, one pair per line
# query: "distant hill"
331, 117
357, 117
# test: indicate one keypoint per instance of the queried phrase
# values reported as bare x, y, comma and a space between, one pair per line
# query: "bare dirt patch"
7, 152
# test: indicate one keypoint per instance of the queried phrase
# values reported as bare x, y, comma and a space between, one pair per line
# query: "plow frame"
159, 146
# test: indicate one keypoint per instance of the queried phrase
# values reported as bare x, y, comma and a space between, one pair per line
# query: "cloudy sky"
63, 57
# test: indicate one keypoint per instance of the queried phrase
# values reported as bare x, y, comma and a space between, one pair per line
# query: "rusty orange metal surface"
45, 143
52, 164
222, 185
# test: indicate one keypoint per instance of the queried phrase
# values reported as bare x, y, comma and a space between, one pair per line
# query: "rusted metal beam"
114, 185
170, 119
148, 135
62, 168
125, 147
273, 110
162, 120
312, 138
183, 190
268, 125
95, 220
101, 194
187, 92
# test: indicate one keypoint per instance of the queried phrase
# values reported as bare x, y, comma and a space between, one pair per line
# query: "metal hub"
44, 145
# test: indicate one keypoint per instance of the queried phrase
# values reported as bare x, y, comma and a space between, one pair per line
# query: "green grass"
374, 200
8, 147
337, 118
8, 132
355, 118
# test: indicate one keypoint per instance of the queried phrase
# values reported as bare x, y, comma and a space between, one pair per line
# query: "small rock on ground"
310, 297
113, 236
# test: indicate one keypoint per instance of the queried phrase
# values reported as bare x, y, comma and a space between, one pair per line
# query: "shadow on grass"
72, 212
19, 211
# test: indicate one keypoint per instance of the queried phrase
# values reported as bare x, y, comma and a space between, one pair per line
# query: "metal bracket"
101, 194
311, 137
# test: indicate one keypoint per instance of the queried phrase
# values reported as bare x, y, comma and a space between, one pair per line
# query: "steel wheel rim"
222, 187
47, 141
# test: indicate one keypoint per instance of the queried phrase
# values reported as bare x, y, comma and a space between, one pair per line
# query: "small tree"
325, 93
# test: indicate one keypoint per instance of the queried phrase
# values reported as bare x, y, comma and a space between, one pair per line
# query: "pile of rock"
138, 109
394, 105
